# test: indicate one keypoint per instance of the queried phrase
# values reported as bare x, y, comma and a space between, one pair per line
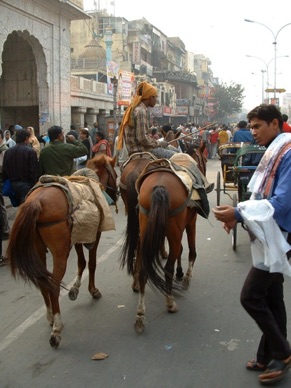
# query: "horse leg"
60, 257
179, 270
96, 294
41, 249
139, 324
191, 237
74, 291
175, 251
135, 281
169, 274
47, 301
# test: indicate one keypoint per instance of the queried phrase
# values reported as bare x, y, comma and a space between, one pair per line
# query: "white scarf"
257, 183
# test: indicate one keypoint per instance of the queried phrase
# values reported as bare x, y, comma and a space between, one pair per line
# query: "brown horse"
196, 151
104, 168
164, 212
130, 172
44, 222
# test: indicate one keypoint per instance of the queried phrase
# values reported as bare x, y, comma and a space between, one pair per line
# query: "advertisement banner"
126, 88
182, 110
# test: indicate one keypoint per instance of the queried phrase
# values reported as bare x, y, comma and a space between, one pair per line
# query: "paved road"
204, 345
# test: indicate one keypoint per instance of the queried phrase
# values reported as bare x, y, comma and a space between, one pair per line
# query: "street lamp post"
275, 36
267, 65
263, 84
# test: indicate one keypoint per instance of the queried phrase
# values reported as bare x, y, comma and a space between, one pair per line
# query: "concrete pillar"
101, 120
78, 116
91, 116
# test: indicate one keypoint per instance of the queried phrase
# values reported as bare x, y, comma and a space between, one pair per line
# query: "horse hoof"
186, 284
139, 325
55, 340
164, 256
96, 294
173, 308
73, 293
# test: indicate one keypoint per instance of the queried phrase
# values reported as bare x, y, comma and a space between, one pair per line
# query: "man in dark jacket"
20, 165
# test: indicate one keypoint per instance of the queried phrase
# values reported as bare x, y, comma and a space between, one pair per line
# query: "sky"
217, 30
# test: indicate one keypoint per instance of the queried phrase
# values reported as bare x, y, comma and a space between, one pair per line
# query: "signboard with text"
136, 53
126, 87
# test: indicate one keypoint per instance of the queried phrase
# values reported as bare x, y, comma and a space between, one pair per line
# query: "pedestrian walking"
267, 216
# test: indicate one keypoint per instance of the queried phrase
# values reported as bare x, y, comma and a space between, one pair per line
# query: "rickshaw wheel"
218, 188
234, 230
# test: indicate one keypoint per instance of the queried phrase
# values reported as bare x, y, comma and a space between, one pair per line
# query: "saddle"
185, 168
89, 212
138, 155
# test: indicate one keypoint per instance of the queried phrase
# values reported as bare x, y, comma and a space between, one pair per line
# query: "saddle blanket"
90, 211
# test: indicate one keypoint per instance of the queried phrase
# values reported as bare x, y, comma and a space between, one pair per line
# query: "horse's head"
171, 137
104, 165
195, 150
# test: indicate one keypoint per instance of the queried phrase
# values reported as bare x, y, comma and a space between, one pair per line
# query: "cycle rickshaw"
238, 163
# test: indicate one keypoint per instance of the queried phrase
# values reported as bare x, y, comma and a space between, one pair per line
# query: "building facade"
35, 78
56, 61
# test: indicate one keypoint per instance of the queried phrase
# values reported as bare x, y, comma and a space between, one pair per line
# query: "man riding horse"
134, 129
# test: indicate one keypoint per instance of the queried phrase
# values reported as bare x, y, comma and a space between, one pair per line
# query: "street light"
267, 65
263, 84
275, 36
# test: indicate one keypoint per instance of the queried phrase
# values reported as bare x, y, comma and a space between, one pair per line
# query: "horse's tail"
22, 250
132, 226
154, 238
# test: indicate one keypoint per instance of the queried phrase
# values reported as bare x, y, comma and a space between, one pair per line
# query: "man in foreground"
262, 294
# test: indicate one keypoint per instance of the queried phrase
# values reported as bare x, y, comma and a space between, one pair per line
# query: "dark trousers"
262, 296
3, 211
21, 189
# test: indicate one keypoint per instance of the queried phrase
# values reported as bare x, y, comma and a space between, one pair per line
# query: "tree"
227, 100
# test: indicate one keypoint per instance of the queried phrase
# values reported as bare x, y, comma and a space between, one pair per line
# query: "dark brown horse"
164, 213
196, 151
43, 222
130, 172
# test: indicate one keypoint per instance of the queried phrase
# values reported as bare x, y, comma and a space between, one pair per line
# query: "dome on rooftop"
93, 50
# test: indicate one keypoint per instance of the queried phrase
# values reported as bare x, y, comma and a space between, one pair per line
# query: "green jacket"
57, 158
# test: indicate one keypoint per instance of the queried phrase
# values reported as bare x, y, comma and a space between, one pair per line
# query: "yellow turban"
144, 91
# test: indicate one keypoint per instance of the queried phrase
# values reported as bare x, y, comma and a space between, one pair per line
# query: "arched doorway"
23, 83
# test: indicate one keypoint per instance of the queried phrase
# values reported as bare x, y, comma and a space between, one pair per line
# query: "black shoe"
3, 261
